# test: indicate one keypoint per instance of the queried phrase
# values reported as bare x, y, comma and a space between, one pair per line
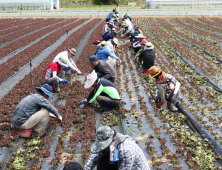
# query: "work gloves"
83, 101
60, 118
57, 118
64, 81
82, 106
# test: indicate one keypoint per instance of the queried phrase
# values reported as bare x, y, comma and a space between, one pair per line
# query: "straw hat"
154, 71
91, 78
140, 36
73, 51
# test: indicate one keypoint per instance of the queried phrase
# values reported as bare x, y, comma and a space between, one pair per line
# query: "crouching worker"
115, 151
104, 92
167, 88
68, 55
54, 73
147, 57
73, 166
102, 68
33, 111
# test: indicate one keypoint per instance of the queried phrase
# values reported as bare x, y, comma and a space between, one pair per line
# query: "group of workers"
112, 150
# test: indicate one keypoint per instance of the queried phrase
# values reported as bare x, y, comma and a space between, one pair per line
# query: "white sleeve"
177, 86
71, 65
54, 73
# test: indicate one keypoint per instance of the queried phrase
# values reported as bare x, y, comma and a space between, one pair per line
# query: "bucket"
24, 133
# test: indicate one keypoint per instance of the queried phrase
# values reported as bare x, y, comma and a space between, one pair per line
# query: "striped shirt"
169, 81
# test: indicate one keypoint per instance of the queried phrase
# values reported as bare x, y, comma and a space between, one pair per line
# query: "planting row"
208, 46
197, 82
10, 37
202, 61
39, 32
170, 65
20, 25
38, 74
7, 23
19, 60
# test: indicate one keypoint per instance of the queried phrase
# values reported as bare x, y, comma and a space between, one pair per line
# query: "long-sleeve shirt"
109, 16
108, 46
169, 81
103, 54
64, 54
129, 30
108, 37
131, 157
105, 88
29, 106
106, 69
105, 29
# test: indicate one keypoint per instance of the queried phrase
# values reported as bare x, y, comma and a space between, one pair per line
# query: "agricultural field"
189, 48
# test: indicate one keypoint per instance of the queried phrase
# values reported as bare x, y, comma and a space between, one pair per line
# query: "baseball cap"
92, 58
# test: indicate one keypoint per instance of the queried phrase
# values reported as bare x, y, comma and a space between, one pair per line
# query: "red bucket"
24, 133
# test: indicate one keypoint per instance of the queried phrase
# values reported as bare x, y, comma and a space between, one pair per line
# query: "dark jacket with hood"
147, 58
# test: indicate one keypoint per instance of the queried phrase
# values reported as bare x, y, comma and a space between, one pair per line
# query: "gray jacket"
106, 69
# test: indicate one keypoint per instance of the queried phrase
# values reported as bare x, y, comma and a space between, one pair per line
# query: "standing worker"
117, 9
167, 88
102, 68
68, 56
115, 151
105, 92
33, 111
54, 73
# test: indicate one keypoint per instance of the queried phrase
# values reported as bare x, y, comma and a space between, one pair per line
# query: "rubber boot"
173, 108
164, 106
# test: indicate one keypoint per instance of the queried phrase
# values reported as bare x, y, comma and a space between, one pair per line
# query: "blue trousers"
66, 69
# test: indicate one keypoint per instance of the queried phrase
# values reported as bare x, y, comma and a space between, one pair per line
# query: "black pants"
136, 49
103, 164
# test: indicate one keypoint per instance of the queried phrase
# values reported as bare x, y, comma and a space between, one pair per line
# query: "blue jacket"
110, 16
103, 54
108, 36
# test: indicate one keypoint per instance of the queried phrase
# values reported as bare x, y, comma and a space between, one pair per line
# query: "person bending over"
33, 111
167, 88
54, 73
68, 55
115, 151
102, 68
105, 92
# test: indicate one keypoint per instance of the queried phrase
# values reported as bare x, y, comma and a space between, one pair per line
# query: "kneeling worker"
104, 92
103, 69
115, 151
33, 111
167, 88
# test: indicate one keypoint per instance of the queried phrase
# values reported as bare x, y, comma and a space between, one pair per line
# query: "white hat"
91, 78
63, 61
116, 41
113, 29
140, 36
